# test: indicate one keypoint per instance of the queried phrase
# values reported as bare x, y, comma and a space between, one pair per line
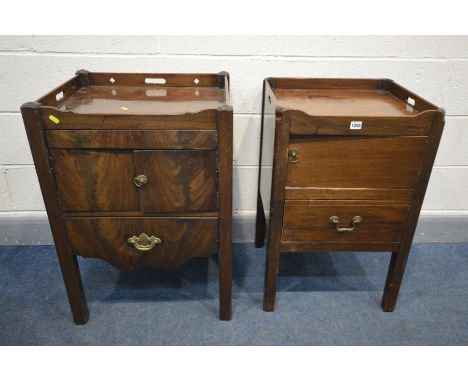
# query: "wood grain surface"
132, 139
309, 221
92, 180
106, 238
356, 162
178, 180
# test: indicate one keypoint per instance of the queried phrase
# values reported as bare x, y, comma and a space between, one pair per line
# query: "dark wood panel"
133, 139
90, 180
204, 120
304, 124
307, 193
183, 180
309, 221
356, 162
107, 239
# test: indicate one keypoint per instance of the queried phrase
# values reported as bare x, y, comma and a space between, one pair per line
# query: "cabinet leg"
394, 278
271, 278
74, 286
260, 224
225, 278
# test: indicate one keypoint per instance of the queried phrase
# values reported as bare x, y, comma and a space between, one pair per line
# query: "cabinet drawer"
104, 180
374, 222
175, 240
355, 162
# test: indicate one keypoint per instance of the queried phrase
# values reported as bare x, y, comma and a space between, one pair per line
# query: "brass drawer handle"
335, 220
140, 180
293, 156
144, 242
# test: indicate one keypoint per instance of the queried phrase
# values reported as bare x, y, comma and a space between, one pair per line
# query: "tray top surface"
145, 100
344, 102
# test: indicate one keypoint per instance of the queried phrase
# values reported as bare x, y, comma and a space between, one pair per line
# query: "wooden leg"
271, 278
273, 253
68, 262
260, 224
276, 211
225, 211
225, 276
74, 286
394, 278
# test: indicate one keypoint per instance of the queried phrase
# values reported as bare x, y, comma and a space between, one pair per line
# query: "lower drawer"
163, 242
344, 221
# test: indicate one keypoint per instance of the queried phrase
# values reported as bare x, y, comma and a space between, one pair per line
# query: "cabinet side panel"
267, 148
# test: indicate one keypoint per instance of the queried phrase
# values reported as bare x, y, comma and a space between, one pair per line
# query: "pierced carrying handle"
144, 242
335, 220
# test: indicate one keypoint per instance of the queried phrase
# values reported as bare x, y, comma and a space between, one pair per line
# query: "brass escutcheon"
293, 156
140, 180
144, 242
335, 220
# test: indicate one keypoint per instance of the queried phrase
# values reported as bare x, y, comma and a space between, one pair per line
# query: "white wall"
434, 67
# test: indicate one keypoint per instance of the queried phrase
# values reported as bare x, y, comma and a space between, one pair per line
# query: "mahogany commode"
351, 163
136, 169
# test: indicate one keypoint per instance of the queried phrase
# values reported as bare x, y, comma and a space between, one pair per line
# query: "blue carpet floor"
323, 299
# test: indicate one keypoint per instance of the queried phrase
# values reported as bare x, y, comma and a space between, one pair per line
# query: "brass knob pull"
144, 242
335, 220
140, 180
293, 156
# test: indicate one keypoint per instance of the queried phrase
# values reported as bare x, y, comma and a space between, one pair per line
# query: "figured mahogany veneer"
136, 169
107, 238
351, 163
179, 180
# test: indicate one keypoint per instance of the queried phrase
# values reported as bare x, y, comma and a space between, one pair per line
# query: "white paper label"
355, 125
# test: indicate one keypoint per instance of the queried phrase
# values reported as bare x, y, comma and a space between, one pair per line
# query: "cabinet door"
95, 180
356, 162
177, 180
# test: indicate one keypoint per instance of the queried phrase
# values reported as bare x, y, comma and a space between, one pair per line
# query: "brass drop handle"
335, 220
144, 242
140, 180
293, 156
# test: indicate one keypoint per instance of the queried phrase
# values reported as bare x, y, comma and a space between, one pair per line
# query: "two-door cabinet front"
135, 169
351, 163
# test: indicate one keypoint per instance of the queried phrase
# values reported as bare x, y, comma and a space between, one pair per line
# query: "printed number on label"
355, 125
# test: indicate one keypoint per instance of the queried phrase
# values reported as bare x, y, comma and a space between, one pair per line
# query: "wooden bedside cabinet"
351, 163
136, 169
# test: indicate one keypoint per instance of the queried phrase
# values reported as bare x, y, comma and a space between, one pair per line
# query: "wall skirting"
36, 230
